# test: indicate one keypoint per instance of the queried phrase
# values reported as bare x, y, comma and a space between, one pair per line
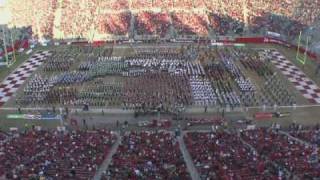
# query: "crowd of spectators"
308, 134
138, 4
38, 14
16, 153
44, 19
223, 25
149, 23
224, 17
203, 4
54, 154
76, 19
275, 23
148, 155
114, 4
183, 4
3, 136
294, 156
163, 4
190, 23
116, 23
232, 8
307, 12
219, 155
22, 12
284, 17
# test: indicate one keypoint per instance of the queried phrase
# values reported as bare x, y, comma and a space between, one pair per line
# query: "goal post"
10, 57
302, 43
5, 45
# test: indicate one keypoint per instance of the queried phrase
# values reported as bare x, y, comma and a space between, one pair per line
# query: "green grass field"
20, 58
302, 115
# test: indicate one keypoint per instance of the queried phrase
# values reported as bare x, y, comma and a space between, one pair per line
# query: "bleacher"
186, 16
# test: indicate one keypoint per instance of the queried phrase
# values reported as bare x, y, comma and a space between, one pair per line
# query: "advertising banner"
44, 116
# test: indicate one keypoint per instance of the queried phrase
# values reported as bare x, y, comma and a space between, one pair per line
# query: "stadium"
160, 89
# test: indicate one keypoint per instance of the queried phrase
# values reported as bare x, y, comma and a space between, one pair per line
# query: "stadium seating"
223, 155
116, 24
22, 12
286, 152
141, 4
222, 25
113, 4
148, 155
74, 155
148, 23
163, 4
188, 16
38, 14
255, 154
3, 136
75, 19
183, 4
192, 23
202, 3
310, 135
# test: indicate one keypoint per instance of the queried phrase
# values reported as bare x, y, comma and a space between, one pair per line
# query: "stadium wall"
267, 40
245, 40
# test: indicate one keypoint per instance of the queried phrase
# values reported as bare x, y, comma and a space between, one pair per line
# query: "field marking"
114, 110
17, 77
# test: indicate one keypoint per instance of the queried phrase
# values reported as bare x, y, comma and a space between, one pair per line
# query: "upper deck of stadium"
92, 19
